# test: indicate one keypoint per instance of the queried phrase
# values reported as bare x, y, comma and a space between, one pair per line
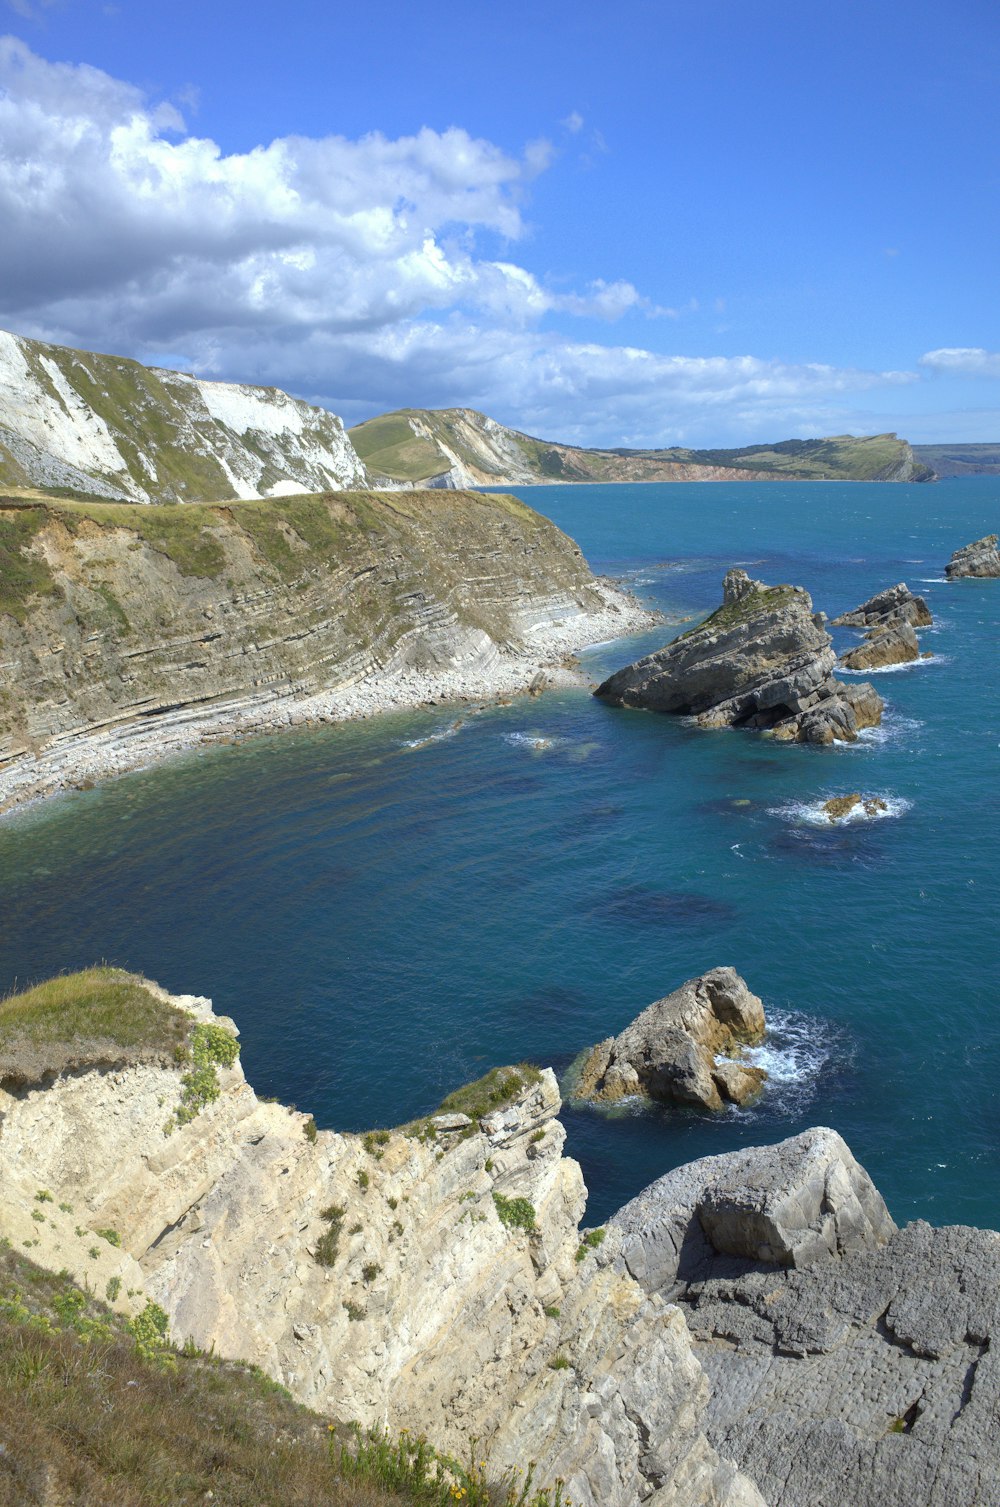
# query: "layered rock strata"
850, 1361
894, 604
890, 617
684, 1048
127, 631
981, 558
764, 660
432, 1278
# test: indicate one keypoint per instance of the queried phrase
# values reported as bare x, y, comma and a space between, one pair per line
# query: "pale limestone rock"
220, 1222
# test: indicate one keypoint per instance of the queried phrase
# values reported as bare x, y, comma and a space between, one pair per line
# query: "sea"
390, 908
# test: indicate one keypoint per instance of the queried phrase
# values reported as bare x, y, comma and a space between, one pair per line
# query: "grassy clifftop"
459, 446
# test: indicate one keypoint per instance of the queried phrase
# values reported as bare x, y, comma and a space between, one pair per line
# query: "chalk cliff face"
127, 623
114, 428
427, 1278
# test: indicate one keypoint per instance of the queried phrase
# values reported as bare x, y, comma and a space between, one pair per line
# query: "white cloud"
573, 123
367, 273
963, 361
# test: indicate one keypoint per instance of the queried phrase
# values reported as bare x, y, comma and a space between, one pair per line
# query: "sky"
659, 222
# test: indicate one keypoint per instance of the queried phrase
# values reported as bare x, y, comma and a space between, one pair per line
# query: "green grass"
389, 447
490, 1092
88, 1011
516, 1213
23, 576
730, 614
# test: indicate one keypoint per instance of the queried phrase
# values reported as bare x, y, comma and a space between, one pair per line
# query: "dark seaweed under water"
390, 908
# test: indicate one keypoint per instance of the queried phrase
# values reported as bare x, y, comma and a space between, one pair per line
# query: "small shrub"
355, 1228
488, 1164
552, 1312
538, 1135
38, 1216
43, 1196
373, 1140
589, 1243
328, 1244
66, 1208
354, 1311
309, 1130
393, 1203
397, 1227
149, 1330
516, 1213
93, 1253
113, 1288
363, 1179
111, 1236
559, 1363
370, 1271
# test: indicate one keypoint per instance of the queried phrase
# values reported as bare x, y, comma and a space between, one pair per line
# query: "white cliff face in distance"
117, 429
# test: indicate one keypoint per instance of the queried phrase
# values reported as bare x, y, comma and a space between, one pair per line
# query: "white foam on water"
894, 729
811, 813
934, 580
534, 741
796, 1051
911, 664
435, 737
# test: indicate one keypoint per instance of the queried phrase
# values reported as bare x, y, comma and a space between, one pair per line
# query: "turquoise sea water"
390, 908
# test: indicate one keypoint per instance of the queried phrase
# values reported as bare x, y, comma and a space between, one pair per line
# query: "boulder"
680, 1048
894, 643
981, 558
763, 660
841, 806
894, 604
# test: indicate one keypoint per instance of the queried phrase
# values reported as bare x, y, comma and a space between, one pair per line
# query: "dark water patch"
841, 847
642, 905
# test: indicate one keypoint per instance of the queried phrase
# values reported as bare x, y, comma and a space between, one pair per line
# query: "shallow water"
388, 912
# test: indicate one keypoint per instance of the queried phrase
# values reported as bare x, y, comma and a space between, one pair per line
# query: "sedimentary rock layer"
130, 629
981, 558
763, 660
432, 1278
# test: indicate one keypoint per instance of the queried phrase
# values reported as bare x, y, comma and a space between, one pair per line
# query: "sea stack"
890, 617
683, 1048
981, 558
763, 660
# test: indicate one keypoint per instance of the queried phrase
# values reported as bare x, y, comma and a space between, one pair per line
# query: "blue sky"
702, 223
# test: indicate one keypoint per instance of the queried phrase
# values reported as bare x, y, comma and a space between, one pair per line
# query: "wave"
894, 729
811, 813
934, 580
796, 1052
435, 737
911, 664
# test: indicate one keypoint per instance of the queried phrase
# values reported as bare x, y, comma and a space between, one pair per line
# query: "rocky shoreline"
493, 674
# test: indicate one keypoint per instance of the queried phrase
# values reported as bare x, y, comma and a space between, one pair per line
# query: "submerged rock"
843, 805
981, 558
894, 604
678, 1050
763, 660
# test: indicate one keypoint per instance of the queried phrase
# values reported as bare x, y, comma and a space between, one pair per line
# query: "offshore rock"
981, 558
421, 1309
895, 603
894, 643
862, 1371
678, 1050
762, 660
841, 806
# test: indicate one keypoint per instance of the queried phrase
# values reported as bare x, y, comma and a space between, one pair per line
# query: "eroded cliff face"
130, 621
425, 1278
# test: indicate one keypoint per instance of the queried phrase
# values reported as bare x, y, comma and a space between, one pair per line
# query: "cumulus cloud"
963, 361
366, 273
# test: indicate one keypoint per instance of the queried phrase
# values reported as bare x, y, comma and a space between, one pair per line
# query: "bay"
390, 908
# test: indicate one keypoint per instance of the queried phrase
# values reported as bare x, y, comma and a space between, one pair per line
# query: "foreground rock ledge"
764, 660
455, 1295
683, 1049
850, 1362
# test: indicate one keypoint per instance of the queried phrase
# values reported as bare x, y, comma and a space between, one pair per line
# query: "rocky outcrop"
850, 1361
894, 644
126, 631
432, 1278
897, 603
890, 616
683, 1049
841, 807
981, 558
763, 660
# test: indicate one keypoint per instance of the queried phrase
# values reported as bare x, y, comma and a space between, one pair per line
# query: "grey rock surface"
762, 660
895, 603
981, 558
679, 1049
893, 643
864, 1370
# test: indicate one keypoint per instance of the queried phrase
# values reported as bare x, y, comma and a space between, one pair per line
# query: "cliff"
126, 630
458, 447
434, 1277
113, 428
